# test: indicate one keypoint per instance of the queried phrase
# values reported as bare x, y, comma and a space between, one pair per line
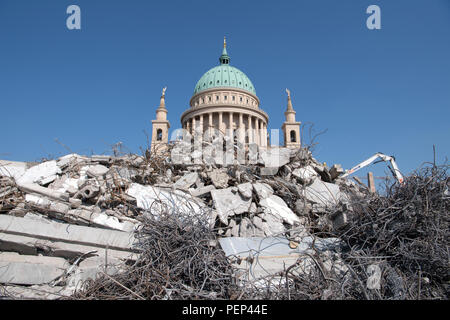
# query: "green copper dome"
224, 75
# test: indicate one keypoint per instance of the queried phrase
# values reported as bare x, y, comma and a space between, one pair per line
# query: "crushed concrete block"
271, 171
275, 157
335, 171
339, 220
65, 184
97, 170
30, 270
302, 208
305, 175
219, 178
159, 199
201, 191
322, 171
323, 193
34, 188
92, 268
245, 189
228, 203
262, 190
68, 159
42, 174
374, 279
12, 169
257, 222
244, 226
278, 207
272, 225
186, 181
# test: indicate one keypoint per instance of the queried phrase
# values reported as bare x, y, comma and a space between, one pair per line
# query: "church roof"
224, 75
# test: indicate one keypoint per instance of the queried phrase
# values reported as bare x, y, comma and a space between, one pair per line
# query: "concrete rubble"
60, 220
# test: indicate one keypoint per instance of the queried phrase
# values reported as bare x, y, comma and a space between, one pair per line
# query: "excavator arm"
395, 171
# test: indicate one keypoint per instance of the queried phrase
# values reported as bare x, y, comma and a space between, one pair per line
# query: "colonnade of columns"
255, 128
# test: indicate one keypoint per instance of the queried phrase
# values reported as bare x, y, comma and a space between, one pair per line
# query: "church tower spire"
290, 127
160, 130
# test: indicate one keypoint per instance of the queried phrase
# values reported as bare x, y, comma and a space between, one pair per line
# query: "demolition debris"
145, 227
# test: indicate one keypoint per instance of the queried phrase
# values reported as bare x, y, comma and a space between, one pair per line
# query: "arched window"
293, 136
159, 135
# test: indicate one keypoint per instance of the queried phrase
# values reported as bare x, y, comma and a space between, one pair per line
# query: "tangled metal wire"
180, 259
405, 233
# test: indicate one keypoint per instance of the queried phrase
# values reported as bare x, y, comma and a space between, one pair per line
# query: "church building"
225, 103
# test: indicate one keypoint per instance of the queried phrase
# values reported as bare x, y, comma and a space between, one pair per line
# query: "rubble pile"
151, 227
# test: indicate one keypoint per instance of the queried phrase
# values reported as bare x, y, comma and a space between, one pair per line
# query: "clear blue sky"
382, 90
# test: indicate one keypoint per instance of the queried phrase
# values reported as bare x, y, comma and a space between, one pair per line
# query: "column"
265, 134
220, 121
250, 129
230, 125
259, 132
201, 124
241, 128
210, 124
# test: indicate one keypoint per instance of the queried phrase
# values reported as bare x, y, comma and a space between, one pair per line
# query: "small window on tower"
217, 98
233, 98
159, 134
209, 99
293, 136
225, 97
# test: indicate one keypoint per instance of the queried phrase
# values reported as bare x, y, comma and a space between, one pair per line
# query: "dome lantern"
224, 58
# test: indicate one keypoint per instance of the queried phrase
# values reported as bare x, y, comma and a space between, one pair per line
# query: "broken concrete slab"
229, 203
30, 270
159, 199
35, 292
201, 191
66, 160
42, 174
323, 193
36, 189
275, 157
271, 171
262, 257
97, 170
276, 206
13, 169
305, 175
245, 189
65, 184
30, 245
95, 237
219, 178
272, 225
92, 268
302, 207
335, 171
262, 190
186, 181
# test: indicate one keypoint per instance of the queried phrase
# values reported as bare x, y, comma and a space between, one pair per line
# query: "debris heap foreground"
109, 227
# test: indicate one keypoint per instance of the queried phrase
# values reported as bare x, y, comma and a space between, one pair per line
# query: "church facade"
225, 103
